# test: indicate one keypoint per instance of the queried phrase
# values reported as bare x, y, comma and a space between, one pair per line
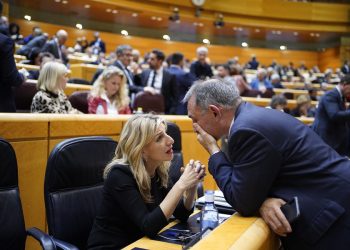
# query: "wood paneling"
330, 58
217, 53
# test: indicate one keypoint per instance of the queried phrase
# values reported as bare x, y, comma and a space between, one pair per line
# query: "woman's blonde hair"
121, 97
139, 131
49, 76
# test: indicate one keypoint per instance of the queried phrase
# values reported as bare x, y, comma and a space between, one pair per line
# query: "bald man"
56, 45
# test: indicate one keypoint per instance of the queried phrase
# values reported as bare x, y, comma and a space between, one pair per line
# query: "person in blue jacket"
273, 157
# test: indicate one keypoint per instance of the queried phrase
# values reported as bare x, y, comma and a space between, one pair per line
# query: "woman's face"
159, 149
112, 85
62, 81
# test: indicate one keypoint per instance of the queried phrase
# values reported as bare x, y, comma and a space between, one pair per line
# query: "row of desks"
236, 233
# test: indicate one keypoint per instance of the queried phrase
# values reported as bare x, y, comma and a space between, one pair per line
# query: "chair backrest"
149, 102
73, 186
24, 96
177, 162
12, 229
78, 99
268, 93
79, 81
288, 95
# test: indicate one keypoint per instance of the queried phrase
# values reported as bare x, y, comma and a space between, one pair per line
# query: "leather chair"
12, 230
174, 171
178, 162
149, 102
24, 96
79, 81
288, 95
73, 186
78, 99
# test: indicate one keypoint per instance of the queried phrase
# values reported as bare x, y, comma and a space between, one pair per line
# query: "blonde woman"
138, 198
109, 94
50, 98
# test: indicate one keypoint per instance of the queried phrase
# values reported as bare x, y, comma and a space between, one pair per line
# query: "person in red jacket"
109, 94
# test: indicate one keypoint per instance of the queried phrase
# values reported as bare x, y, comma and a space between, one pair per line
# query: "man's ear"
215, 110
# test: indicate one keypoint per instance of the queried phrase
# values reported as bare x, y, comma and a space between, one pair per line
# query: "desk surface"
236, 232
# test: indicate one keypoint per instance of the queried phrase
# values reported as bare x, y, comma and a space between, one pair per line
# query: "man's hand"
150, 90
207, 141
271, 212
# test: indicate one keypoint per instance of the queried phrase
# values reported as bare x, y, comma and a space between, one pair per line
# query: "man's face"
205, 119
201, 56
154, 62
126, 57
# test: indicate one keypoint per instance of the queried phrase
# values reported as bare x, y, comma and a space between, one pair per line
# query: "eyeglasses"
178, 235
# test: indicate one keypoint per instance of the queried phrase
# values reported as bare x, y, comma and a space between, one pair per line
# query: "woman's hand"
271, 212
192, 174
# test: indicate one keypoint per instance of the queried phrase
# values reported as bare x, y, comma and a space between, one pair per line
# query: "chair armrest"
43, 238
64, 245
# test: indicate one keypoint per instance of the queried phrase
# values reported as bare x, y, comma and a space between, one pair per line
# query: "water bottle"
138, 111
210, 214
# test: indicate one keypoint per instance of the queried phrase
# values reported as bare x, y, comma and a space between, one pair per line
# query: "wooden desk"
236, 232
19, 58
300, 85
296, 92
27, 66
264, 102
84, 71
73, 59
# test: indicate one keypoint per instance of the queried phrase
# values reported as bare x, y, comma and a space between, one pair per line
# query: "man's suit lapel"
145, 77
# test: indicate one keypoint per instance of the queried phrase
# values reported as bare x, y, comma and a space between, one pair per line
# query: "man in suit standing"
56, 46
271, 158
200, 68
184, 81
345, 68
97, 44
160, 81
332, 117
9, 76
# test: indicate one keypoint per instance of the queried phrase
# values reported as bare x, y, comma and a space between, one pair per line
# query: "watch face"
198, 2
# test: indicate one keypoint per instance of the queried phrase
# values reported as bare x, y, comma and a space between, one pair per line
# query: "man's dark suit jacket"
331, 122
52, 47
345, 69
168, 90
184, 81
36, 42
102, 45
272, 154
9, 76
201, 71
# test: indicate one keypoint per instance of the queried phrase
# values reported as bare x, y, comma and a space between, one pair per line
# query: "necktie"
154, 78
344, 102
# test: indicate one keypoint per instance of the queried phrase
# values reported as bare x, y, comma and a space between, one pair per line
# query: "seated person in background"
313, 94
14, 32
278, 102
241, 84
276, 81
109, 94
42, 58
223, 72
261, 83
50, 98
138, 196
303, 108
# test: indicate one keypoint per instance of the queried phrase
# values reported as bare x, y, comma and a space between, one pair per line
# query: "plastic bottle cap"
209, 196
